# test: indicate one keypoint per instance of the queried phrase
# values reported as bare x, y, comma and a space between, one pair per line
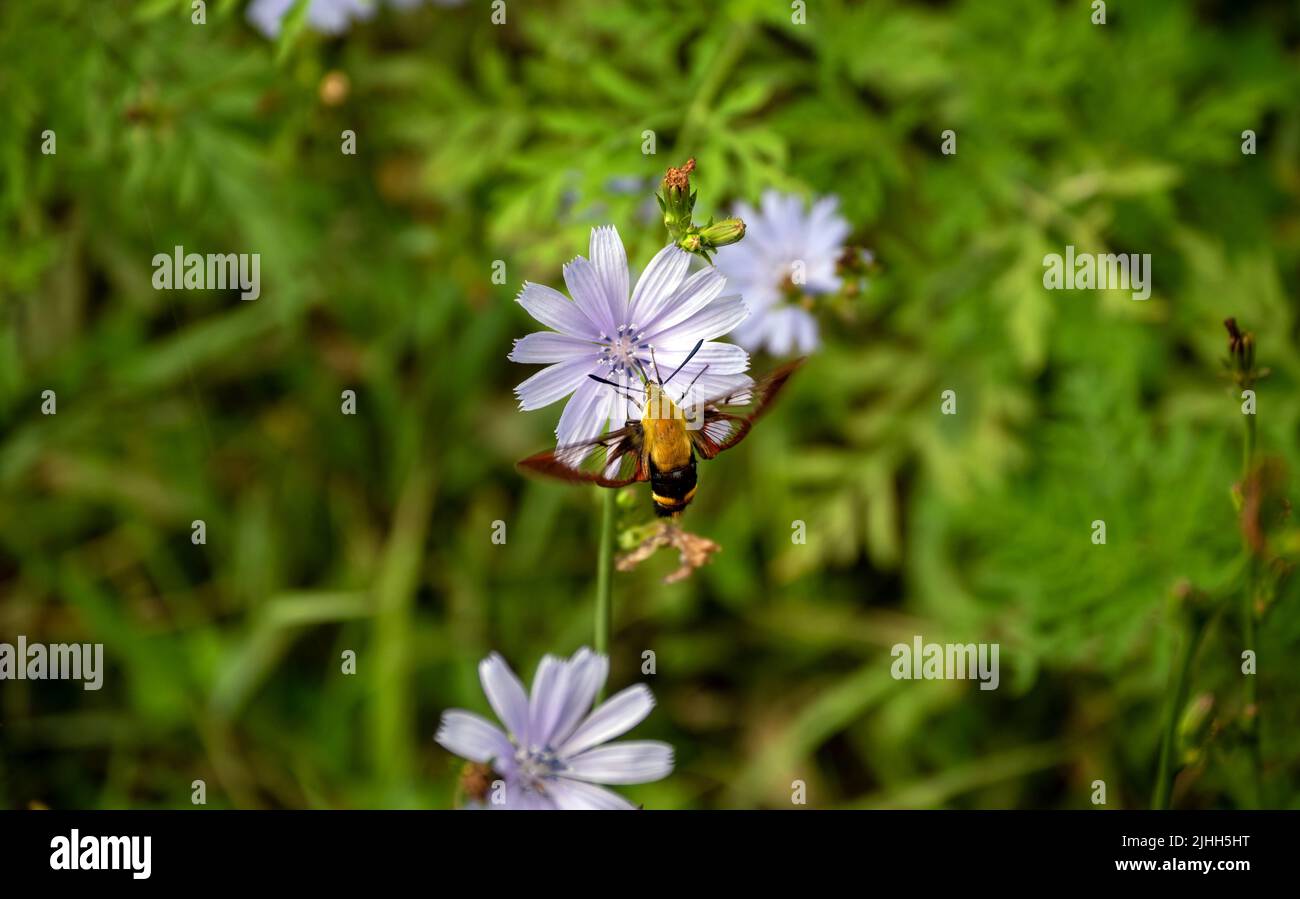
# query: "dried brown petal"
693, 550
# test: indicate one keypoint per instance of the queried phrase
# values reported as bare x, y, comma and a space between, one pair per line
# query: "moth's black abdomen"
675, 484
672, 490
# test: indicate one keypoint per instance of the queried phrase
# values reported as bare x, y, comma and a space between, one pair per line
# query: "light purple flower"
609, 331
786, 253
325, 16
553, 753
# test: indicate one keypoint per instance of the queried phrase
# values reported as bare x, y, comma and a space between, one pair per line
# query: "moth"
663, 446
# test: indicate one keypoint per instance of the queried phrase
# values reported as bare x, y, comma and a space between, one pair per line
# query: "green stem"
1252, 695
1248, 627
605, 572
1248, 446
1178, 686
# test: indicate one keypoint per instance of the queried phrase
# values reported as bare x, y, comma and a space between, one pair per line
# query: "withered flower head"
1241, 354
677, 203
693, 550
476, 781
679, 178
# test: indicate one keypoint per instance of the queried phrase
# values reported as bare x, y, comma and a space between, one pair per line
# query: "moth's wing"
727, 419
752, 401
720, 431
612, 460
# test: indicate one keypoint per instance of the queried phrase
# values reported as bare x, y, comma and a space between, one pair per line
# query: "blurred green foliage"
478, 143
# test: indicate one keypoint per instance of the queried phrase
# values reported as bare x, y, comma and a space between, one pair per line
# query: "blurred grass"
479, 143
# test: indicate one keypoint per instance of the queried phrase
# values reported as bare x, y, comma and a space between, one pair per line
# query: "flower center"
536, 766
792, 291
620, 351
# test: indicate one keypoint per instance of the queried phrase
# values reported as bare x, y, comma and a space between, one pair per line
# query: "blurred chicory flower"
325, 16
787, 256
552, 754
605, 332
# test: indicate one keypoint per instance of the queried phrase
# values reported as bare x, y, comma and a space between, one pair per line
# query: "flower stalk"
1179, 684
1241, 363
1196, 609
605, 572
1248, 629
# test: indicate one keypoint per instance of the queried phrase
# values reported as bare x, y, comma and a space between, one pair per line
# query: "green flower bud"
727, 231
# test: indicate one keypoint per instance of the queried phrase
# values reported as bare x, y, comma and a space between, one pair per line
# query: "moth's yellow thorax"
666, 440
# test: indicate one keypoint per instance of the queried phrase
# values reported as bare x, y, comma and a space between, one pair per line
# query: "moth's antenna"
658, 374
618, 388
689, 357
640, 366
693, 380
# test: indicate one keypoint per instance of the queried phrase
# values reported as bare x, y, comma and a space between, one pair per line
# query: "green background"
478, 142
